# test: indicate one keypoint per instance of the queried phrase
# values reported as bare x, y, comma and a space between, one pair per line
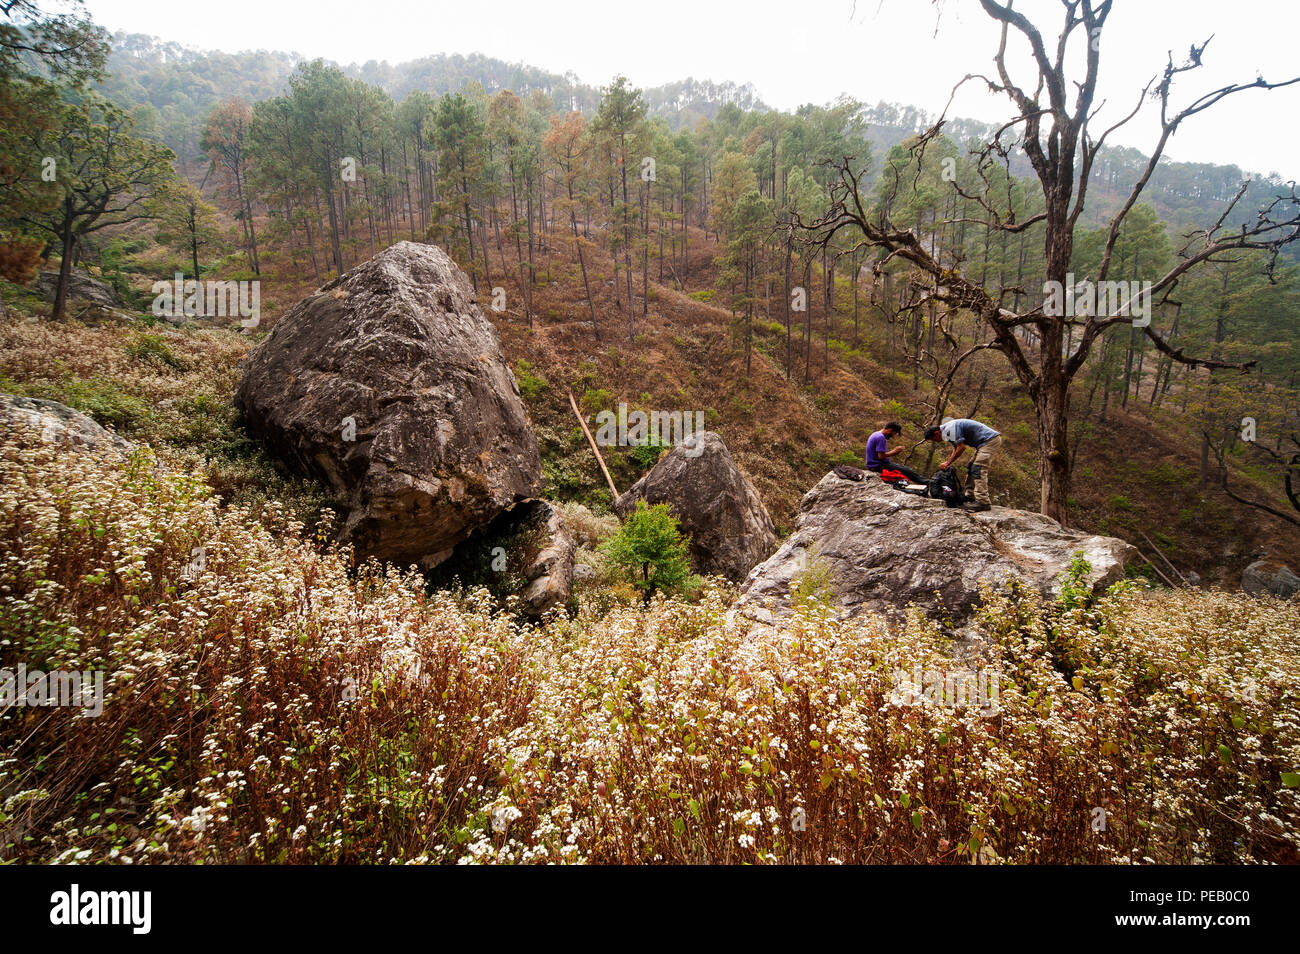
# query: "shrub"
147, 346
740, 408
244, 718
106, 402
894, 410
1167, 472
530, 385
20, 257
813, 585
587, 528
597, 399
647, 455
563, 475
1075, 589
650, 550
852, 458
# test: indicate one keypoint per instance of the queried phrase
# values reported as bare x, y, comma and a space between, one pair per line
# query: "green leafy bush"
530, 385
597, 399
852, 458
895, 410
647, 455
107, 403
147, 345
651, 551
1076, 591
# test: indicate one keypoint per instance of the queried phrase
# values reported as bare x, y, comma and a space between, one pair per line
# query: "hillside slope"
1136, 475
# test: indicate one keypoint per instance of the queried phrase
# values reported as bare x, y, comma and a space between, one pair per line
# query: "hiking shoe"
977, 507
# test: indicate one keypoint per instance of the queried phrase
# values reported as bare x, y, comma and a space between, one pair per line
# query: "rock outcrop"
548, 560
1268, 577
390, 385
713, 501
81, 287
60, 424
881, 549
526, 553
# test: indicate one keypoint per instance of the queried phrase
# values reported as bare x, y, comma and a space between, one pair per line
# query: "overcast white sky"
793, 52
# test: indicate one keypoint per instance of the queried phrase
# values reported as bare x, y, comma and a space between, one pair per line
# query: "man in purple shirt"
878, 452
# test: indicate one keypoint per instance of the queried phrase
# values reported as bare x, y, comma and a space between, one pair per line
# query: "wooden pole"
1172, 584
1172, 569
592, 441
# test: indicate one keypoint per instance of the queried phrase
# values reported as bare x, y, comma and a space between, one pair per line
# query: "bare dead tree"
1055, 137
1289, 466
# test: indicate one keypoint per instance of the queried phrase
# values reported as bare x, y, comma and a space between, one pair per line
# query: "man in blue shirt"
878, 452
962, 433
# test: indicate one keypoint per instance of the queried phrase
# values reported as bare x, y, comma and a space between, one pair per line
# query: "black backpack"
946, 486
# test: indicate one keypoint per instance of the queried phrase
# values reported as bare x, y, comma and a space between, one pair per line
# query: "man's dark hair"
893, 426
932, 430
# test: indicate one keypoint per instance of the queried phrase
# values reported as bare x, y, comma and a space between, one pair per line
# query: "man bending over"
962, 433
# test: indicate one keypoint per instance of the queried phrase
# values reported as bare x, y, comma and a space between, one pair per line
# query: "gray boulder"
390, 386
549, 560
1269, 577
81, 287
878, 549
713, 501
59, 424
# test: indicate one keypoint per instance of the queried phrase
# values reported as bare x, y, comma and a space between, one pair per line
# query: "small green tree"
650, 548
187, 223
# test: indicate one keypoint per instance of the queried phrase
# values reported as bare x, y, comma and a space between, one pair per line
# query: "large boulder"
713, 501
878, 549
390, 385
59, 424
1268, 577
81, 287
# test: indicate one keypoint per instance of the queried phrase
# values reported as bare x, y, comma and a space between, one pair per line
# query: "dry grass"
589, 530
274, 707
159, 386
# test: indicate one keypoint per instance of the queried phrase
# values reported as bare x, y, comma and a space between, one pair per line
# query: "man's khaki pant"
979, 469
